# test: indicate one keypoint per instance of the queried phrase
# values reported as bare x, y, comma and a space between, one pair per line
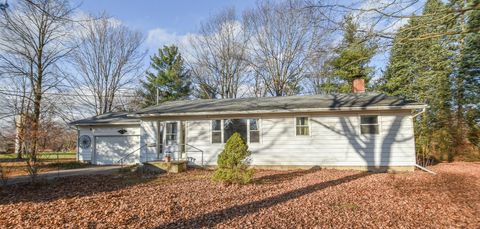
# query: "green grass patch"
8, 156
45, 155
67, 165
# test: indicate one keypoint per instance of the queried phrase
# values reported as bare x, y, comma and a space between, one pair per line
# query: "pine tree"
467, 90
170, 77
231, 166
420, 69
351, 61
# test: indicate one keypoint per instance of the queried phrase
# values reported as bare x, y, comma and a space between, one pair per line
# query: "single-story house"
355, 131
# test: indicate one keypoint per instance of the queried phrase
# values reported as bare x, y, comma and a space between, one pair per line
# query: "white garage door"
110, 150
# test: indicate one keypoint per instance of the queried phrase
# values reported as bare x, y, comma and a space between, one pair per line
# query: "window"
222, 130
231, 126
171, 133
217, 131
369, 124
254, 131
302, 126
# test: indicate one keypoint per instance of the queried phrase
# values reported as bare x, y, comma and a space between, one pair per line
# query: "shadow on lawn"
211, 219
280, 177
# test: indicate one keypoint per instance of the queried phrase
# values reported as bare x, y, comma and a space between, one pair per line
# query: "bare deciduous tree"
386, 16
34, 39
108, 57
285, 36
219, 58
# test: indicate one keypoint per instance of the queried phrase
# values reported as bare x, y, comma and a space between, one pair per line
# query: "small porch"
167, 145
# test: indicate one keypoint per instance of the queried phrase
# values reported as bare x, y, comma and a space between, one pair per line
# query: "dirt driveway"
311, 198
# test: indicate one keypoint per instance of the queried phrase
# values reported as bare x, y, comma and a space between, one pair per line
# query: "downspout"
78, 147
417, 165
425, 169
419, 113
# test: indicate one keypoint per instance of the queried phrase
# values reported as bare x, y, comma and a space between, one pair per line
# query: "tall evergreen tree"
467, 78
420, 69
351, 61
169, 77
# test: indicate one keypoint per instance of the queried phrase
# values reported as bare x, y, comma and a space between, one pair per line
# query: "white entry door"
171, 139
109, 150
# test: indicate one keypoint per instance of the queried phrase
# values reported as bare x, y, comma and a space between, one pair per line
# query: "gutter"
280, 111
106, 123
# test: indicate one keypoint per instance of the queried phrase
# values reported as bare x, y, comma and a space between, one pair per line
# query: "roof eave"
280, 111
104, 123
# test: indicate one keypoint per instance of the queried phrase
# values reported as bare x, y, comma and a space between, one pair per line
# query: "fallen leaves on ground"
276, 199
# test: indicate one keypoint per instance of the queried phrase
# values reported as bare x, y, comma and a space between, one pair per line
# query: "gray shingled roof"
362, 101
108, 118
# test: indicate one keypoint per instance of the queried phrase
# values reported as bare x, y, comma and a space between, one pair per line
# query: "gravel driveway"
286, 199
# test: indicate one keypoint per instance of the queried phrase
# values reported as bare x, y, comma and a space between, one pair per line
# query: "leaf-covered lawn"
278, 199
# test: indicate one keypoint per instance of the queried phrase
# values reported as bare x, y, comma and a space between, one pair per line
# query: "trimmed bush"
231, 163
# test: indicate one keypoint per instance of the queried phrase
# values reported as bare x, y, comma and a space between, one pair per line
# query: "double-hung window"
254, 131
369, 124
302, 127
222, 130
171, 133
217, 131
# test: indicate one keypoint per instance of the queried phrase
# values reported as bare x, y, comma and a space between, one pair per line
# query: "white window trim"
379, 123
259, 126
309, 125
211, 132
165, 133
222, 129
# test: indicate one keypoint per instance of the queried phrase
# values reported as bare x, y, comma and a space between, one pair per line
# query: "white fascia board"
282, 111
108, 123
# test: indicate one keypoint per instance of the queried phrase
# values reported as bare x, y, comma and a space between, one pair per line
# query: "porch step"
163, 166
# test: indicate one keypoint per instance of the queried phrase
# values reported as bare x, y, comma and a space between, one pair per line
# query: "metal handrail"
194, 147
129, 154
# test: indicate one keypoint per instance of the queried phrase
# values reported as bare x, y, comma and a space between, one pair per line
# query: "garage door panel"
110, 149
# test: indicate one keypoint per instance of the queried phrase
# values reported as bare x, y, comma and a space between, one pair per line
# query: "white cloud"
158, 37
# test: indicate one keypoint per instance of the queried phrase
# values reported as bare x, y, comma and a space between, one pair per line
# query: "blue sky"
171, 22
162, 22
180, 16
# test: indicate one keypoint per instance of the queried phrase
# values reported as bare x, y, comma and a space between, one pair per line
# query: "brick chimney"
358, 86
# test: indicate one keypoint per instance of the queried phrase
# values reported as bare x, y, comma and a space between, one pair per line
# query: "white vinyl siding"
149, 136
335, 140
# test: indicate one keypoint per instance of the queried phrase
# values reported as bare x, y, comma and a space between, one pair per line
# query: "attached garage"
109, 139
110, 150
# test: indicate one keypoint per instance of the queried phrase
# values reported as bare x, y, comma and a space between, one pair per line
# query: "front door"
171, 139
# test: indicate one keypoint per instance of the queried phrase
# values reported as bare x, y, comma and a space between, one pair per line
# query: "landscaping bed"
278, 199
